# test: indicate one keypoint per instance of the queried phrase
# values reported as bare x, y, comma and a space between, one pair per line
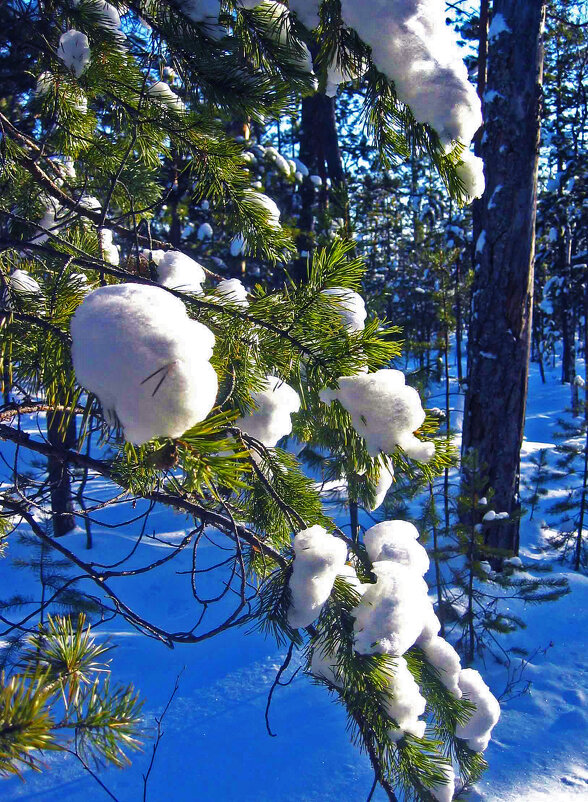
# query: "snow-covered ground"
215, 746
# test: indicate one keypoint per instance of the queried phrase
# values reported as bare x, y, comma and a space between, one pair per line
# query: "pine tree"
98, 155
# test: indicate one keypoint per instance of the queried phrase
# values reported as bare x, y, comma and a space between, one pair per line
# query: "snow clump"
267, 204
471, 173
383, 484
414, 47
177, 271
392, 611
135, 347
270, 420
233, 290
404, 702
161, 92
205, 231
351, 307
477, 730
109, 249
74, 51
319, 557
23, 283
397, 541
384, 411
238, 245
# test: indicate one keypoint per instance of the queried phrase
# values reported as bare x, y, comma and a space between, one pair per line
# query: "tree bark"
59, 482
500, 332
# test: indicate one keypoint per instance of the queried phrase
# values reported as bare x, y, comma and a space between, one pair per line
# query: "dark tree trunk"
59, 483
319, 151
500, 331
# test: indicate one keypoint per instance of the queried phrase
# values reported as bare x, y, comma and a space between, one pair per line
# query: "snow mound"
74, 51
270, 420
478, 729
351, 307
319, 557
384, 411
135, 347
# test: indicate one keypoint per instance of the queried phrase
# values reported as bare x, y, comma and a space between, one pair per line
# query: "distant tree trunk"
319, 151
59, 483
500, 331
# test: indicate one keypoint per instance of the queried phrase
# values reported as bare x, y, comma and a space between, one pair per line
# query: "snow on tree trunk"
499, 340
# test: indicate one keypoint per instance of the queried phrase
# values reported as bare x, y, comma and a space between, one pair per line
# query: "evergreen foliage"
99, 165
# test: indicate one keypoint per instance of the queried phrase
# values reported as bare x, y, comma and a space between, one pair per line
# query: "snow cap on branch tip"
23, 283
74, 51
161, 92
270, 420
137, 350
267, 204
179, 272
471, 173
351, 307
319, 557
412, 45
232, 290
384, 411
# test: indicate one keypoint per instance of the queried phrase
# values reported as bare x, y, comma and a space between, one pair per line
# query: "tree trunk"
59, 483
319, 151
500, 332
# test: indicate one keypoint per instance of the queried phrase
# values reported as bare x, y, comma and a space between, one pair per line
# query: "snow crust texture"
319, 557
270, 420
384, 411
135, 347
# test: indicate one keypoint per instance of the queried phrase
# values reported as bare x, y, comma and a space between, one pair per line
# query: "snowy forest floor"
215, 747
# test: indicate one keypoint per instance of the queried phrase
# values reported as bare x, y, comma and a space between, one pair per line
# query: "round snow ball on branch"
478, 729
232, 290
270, 420
74, 51
351, 307
23, 283
396, 541
391, 614
384, 411
135, 347
471, 173
404, 702
178, 272
238, 245
319, 557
